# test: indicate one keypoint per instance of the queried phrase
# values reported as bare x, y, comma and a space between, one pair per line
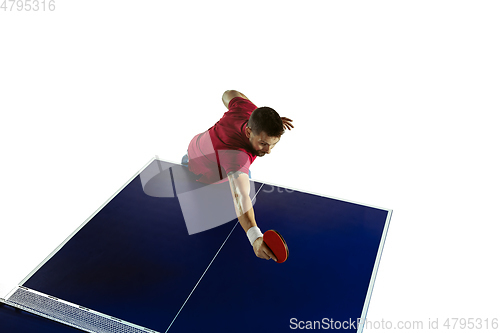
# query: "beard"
259, 153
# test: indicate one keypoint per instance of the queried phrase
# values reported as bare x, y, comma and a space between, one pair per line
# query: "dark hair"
267, 120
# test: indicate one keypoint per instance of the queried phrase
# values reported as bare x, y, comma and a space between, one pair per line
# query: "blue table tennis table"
151, 260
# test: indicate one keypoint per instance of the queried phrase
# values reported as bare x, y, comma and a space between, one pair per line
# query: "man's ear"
248, 131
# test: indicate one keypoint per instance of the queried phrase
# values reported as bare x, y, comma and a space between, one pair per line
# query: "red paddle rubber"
277, 244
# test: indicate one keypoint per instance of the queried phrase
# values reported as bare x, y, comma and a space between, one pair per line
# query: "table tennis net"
70, 314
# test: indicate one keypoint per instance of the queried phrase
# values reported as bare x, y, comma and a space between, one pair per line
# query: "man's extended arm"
229, 95
240, 188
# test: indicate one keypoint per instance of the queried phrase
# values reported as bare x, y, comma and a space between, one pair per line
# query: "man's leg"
185, 160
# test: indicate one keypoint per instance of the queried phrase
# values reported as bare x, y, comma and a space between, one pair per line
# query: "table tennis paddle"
277, 244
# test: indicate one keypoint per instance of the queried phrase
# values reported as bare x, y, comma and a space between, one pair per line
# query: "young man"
226, 150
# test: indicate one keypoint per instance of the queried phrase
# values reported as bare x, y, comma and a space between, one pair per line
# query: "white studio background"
395, 104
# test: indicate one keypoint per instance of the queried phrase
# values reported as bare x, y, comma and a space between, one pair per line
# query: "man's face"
262, 143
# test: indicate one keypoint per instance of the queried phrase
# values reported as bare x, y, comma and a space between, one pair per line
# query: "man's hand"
287, 123
262, 250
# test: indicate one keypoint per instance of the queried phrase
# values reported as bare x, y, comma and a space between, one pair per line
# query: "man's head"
264, 130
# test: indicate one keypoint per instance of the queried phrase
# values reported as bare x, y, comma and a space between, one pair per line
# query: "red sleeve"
240, 102
234, 160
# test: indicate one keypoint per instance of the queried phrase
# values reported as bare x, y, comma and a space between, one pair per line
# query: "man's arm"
229, 95
240, 188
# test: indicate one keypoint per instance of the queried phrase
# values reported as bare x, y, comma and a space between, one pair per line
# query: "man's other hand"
287, 123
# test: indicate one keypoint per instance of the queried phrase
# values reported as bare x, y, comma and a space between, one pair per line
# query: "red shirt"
224, 147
